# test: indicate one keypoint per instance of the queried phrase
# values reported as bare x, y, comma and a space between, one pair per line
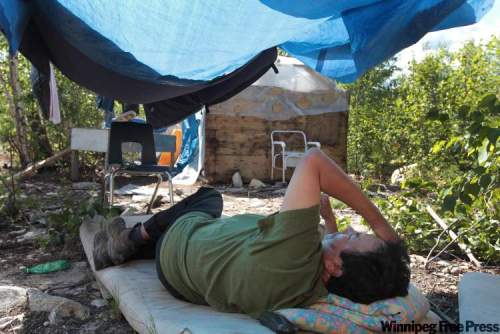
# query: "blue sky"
454, 38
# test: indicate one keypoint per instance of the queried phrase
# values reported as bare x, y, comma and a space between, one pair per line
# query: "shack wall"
243, 143
238, 131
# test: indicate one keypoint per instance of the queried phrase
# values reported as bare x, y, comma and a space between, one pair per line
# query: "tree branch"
453, 236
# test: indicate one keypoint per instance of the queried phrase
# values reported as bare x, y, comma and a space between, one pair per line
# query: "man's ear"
334, 267
337, 270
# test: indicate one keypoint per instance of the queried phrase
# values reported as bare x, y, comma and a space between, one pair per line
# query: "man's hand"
327, 214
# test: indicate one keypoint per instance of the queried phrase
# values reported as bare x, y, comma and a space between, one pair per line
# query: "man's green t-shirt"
246, 263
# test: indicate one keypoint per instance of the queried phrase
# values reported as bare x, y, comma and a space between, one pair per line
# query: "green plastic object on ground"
48, 267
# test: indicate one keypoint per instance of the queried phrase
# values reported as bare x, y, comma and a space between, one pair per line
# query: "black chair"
132, 134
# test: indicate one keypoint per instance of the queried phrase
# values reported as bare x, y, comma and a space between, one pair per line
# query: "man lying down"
251, 263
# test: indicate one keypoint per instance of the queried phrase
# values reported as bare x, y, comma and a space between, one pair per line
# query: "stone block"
479, 300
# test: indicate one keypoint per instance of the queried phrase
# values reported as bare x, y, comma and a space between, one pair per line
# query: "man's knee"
313, 155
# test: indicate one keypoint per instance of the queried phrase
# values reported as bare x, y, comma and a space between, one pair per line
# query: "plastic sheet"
189, 41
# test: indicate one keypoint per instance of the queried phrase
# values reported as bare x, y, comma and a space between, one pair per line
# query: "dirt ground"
45, 194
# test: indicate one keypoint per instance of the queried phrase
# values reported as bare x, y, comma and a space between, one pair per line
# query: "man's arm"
315, 173
326, 212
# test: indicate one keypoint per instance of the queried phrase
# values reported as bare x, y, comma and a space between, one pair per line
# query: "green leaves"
482, 155
438, 146
449, 203
490, 101
485, 180
493, 134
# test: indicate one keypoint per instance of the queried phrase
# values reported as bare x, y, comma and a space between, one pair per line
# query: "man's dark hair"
375, 275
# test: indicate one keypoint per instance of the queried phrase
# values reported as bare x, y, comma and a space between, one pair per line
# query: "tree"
12, 91
372, 101
22, 124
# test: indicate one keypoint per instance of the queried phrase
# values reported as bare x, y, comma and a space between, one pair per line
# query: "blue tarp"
190, 144
169, 40
190, 141
176, 57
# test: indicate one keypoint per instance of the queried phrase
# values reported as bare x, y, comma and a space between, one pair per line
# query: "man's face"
349, 240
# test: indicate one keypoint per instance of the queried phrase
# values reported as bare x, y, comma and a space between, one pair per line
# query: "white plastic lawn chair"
289, 158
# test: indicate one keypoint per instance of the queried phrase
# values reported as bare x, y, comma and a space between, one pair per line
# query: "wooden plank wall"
242, 143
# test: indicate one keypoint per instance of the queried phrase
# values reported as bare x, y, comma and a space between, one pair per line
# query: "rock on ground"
401, 174
11, 297
31, 235
237, 180
14, 297
59, 307
99, 303
12, 323
256, 184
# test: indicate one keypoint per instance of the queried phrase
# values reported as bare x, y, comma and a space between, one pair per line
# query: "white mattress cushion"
148, 307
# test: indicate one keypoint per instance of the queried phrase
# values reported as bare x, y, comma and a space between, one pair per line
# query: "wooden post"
75, 166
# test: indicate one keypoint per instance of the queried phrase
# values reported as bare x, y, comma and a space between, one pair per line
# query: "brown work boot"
100, 251
120, 247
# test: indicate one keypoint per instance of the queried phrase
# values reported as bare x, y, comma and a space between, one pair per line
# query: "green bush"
443, 115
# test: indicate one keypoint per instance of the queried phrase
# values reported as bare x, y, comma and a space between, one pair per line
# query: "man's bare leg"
316, 173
